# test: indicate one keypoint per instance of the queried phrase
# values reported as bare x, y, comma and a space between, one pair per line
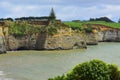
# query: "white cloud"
4, 4
63, 9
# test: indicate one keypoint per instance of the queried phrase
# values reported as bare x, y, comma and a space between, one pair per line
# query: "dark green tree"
119, 20
52, 15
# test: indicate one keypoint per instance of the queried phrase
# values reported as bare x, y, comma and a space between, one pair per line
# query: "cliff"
106, 33
21, 43
64, 38
3, 31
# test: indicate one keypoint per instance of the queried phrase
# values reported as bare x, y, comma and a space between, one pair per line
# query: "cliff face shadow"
40, 42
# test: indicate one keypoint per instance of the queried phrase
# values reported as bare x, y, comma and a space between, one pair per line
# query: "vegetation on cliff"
109, 24
80, 25
18, 29
92, 70
23, 28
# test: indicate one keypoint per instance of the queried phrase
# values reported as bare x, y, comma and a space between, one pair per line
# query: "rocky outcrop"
2, 45
111, 36
91, 39
21, 43
63, 40
41, 41
106, 33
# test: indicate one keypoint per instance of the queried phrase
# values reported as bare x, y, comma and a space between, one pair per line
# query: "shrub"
89, 29
92, 70
52, 30
58, 78
114, 72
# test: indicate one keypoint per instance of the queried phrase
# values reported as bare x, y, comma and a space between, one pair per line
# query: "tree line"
51, 17
106, 19
24, 18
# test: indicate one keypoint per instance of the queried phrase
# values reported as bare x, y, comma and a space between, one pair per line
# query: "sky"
66, 10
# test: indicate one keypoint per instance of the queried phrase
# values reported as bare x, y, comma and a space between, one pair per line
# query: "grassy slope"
75, 25
80, 24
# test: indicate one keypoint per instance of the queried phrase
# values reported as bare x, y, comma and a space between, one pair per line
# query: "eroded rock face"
61, 41
65, 42
106, 33
109, 36
2, 45
20, 43
112, 36
91, 39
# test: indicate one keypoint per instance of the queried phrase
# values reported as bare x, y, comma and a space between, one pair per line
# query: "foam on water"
6, 79
2, 76
1, 73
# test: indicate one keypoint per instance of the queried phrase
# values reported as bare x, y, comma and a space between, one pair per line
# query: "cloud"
65, 10
4, 4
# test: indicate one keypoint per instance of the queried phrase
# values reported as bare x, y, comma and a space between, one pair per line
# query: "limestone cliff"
2, 45
21, 43
106, 33
63, 39
2, 38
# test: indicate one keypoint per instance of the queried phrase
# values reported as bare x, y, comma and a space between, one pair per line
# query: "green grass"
75, 25
110, 24
80, 24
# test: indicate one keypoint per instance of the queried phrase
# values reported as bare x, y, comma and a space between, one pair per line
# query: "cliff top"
81, 24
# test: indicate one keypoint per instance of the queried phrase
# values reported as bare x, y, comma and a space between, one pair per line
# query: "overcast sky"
65, 9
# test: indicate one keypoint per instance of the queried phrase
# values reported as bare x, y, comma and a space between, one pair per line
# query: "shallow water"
40, 65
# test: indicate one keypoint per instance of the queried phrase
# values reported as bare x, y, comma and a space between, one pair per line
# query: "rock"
79, 45
21, 43
61, 41
109, 36
41, 41
2, 45
100, 36
12, 43
91, 39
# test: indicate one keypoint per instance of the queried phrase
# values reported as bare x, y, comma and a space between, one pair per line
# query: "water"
40, 65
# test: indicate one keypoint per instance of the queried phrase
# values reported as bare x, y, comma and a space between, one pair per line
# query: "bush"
89, 29
92, 70
114, 72
52, 30
58, 78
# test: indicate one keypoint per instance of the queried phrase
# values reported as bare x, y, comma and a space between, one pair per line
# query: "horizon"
64, 10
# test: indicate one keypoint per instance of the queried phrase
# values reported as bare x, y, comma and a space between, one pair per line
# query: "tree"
106, 19
52, 16
119, 21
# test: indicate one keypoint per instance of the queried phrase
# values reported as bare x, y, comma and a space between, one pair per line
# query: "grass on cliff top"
80, 24
75, 25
